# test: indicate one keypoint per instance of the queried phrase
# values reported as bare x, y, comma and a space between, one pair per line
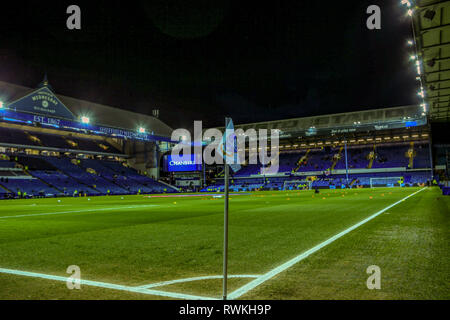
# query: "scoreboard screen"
182, 166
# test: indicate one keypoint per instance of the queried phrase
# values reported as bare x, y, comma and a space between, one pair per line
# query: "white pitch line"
107, 285
78, 211
272, 273
166, 283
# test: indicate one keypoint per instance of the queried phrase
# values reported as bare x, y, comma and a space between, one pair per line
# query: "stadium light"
406, 2
1, 104
85, 120
141, 130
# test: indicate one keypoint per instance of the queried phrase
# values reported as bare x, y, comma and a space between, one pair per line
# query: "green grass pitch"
137, 240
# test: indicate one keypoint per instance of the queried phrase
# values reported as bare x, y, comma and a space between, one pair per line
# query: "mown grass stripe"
77, 211
272, 273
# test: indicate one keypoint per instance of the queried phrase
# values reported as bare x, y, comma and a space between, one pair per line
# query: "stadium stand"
396, 155
49, 147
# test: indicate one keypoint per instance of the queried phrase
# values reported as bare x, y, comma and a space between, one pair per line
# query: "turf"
136, 240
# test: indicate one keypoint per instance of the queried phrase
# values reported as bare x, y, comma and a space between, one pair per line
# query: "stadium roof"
100, 114
432, 35
369, 120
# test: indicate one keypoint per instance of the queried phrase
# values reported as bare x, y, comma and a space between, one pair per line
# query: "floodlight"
406, 2
1, 104
85, 120
141, 130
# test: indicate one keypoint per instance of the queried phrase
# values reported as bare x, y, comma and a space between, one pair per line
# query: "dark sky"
204, 60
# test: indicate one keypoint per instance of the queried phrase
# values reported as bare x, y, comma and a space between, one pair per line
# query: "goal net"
385, 181
297, 185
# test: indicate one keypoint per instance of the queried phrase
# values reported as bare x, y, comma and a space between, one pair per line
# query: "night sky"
204, 60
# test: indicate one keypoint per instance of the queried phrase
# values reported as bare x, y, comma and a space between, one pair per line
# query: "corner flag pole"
225, 220
225, 235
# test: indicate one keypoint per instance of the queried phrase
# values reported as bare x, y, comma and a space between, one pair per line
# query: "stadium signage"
32, 119
175, 165
115, 131
45, 120
42, 102
344, 130
181, 163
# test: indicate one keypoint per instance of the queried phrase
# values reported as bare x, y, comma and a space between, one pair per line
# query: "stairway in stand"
336, 158
411, 154
371, 157
301, 161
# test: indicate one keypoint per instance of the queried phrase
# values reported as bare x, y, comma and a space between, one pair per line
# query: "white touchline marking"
166, 283
272, 273
78, 211
108, 285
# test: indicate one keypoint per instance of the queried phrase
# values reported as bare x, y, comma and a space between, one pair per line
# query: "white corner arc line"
166, 283
107, 285
272, 273
77, 211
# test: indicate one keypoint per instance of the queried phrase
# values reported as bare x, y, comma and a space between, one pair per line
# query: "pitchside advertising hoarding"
174, 165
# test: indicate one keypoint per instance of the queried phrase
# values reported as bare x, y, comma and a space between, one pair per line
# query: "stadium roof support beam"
439, 96
435, 5
436, 46
439, 28
437, 81
436, 72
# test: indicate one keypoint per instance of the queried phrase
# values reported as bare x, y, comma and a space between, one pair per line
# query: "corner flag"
228, 146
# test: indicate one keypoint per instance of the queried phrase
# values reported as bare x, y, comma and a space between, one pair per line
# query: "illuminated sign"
182, 166
43, 102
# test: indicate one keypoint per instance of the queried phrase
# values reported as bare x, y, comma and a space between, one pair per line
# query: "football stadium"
107, 198
93, 205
